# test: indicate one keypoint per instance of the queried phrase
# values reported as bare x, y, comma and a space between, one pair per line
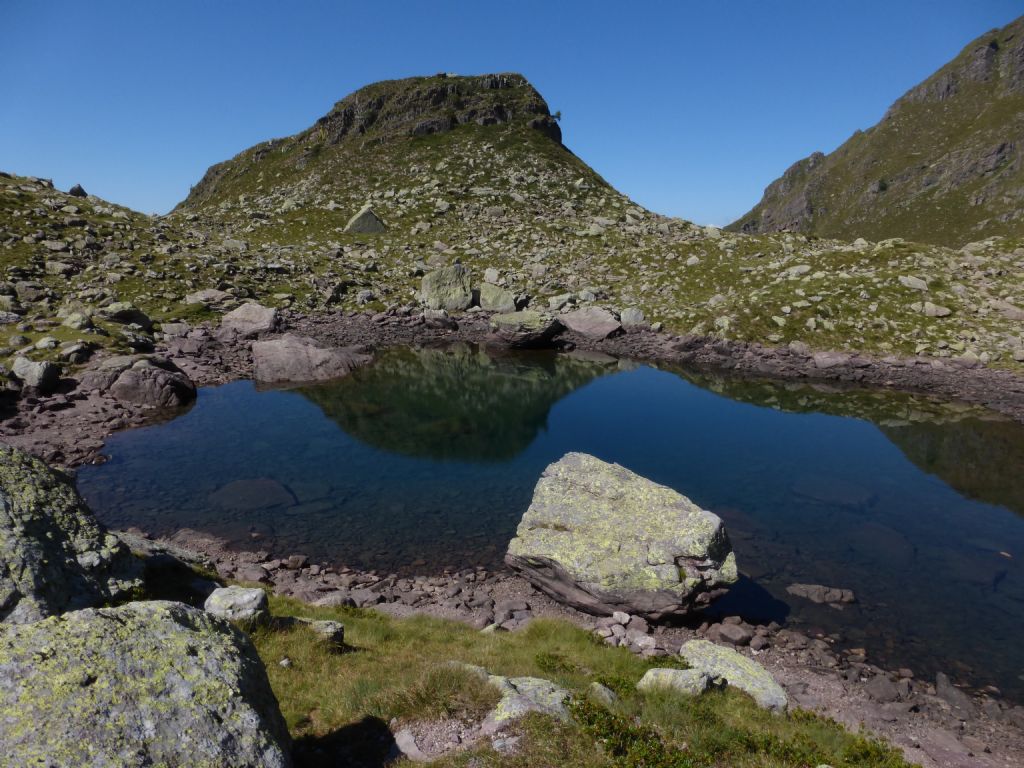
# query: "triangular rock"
365, 222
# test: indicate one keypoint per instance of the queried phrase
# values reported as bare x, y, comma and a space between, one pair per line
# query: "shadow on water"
462, 403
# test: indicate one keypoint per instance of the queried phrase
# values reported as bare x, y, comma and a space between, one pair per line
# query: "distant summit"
944, 165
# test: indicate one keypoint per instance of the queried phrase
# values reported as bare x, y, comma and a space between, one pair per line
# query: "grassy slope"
916, 140
396, 669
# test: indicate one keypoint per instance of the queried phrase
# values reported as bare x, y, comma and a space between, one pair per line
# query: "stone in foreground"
737, 671
294, 358
522, 695
54, 555
148, 683
238, 604
365, 222
602, 539
689, 681
447, 288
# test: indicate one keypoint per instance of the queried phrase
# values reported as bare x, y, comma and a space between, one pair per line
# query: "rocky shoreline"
937, 723
68, 426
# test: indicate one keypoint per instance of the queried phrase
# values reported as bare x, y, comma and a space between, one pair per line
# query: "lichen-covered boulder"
54, 555
147, 683
447, 288
522, 695
238, 604
603, 539
493, 298
718, 662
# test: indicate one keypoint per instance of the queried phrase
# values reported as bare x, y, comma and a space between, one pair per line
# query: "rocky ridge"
944, 164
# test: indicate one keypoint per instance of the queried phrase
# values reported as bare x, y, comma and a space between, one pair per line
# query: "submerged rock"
300, 359
447, 288
147, 683
54, 555
602, 539
736, 670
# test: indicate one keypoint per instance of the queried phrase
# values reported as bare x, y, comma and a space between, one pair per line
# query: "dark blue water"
428, 458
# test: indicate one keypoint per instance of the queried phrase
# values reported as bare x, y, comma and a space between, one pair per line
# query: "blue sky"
691, 108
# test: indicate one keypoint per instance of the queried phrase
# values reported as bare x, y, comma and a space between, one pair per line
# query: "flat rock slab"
593, 322
148, 683
297, 359
249, 320
736, 670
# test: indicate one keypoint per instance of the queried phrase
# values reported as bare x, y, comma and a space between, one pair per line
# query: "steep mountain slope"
470, 169
945, 165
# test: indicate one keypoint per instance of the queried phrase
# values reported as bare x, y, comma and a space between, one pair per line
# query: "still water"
428, 458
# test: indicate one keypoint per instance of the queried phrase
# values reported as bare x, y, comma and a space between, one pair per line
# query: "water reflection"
461, 403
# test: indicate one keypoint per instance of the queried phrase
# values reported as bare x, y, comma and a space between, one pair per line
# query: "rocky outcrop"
294, 358
148, 683
147, 380
737, 670
447, 288
570, 543
54, 555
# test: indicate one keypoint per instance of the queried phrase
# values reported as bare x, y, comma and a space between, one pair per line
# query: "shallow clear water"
428, 458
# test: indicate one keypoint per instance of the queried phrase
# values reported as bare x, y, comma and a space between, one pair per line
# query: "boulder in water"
603, 539
294, 358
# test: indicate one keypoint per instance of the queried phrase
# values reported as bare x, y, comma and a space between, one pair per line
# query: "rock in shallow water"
54, 555
602, 539
148, 683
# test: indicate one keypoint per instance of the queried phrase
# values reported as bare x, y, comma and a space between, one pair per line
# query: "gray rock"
238, 604
148, 683
447, 288
632, 318
207, 296
495, 299
42, 376
333, 632
737, 670
294, 358
817, 593
525, 329
155, 382
603, 694
592, 322
249, 320
128, 314
881, 688
78, 191
522, 695
365, 222
914, 283
961, 703
689, 681
677, 556
54, 555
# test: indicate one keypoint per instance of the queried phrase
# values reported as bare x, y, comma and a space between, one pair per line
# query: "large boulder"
603, 539
147, 683
525, 329
248, 321
365, 222
745, 674
496, 299
141, 379
447, 288
54, 555
155, 382
592, 322
294, 358
40, 376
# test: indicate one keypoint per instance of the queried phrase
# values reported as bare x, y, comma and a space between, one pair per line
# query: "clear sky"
690, 107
